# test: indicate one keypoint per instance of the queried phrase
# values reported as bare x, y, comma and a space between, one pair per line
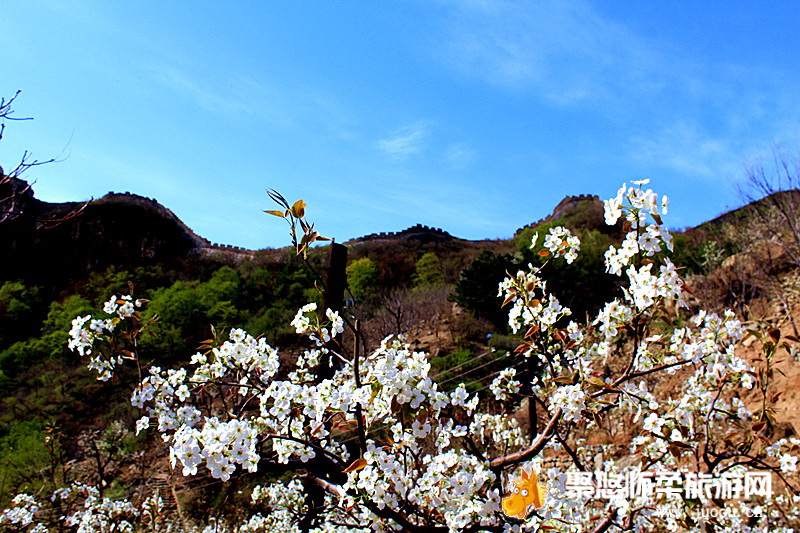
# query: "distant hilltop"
127, 230
120, 229
581, 211
201, 244
152, 204
418, 232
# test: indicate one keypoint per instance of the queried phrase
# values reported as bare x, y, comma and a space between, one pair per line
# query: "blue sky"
473, 116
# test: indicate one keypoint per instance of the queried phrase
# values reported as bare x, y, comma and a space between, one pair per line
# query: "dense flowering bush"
80, 508
379, 445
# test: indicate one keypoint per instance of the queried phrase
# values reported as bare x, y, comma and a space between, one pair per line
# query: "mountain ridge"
130, 230
33, 208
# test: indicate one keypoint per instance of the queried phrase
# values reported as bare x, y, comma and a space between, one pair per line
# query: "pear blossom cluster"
449, 484
122, 306
571, 399
86, 331
560, 242
220, 445
295, 415
281, 501
634, 203
307, 322
642, 240
504, 386
98, 513
645, 287
704, 351
529, 307
22, 512
243, 354
399, 452
80, 508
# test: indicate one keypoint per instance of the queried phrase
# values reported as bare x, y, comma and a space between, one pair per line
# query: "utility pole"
335, 283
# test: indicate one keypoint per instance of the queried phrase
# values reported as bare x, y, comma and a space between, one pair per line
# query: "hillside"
439, 290
64, 260
125, 230
120, 229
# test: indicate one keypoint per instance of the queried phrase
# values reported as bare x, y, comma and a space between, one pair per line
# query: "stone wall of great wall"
202, 244
416, 230
558, 211
227, 247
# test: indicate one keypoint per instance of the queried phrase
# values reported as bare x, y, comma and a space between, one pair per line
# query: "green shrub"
428, 271
362, 278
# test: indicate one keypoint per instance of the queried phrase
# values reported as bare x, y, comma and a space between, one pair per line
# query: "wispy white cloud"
564, 50
406, 141
442, 203
459, 156
684, 149
678, 111
285, 106
235, 99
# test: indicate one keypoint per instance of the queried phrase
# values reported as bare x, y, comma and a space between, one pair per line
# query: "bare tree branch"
537, 446
13, 190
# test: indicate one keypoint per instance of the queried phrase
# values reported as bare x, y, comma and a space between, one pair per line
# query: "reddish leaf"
356, 465
531, 331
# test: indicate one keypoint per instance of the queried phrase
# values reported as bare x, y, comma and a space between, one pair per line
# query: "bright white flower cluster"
640, 201
306, 322
570, 399
504, 385
21, 513
700, 407
561, 243
706, 404
528, 309
449, 484
86, 331
160, 393
612, 317
221, 445
87, 512
282, 502
122, 306
641, 240
644, 287
98, 513
254, 359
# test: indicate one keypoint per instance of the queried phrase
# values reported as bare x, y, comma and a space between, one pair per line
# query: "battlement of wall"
415, 231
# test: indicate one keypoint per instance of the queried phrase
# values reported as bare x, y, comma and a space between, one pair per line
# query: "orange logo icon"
526, 492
